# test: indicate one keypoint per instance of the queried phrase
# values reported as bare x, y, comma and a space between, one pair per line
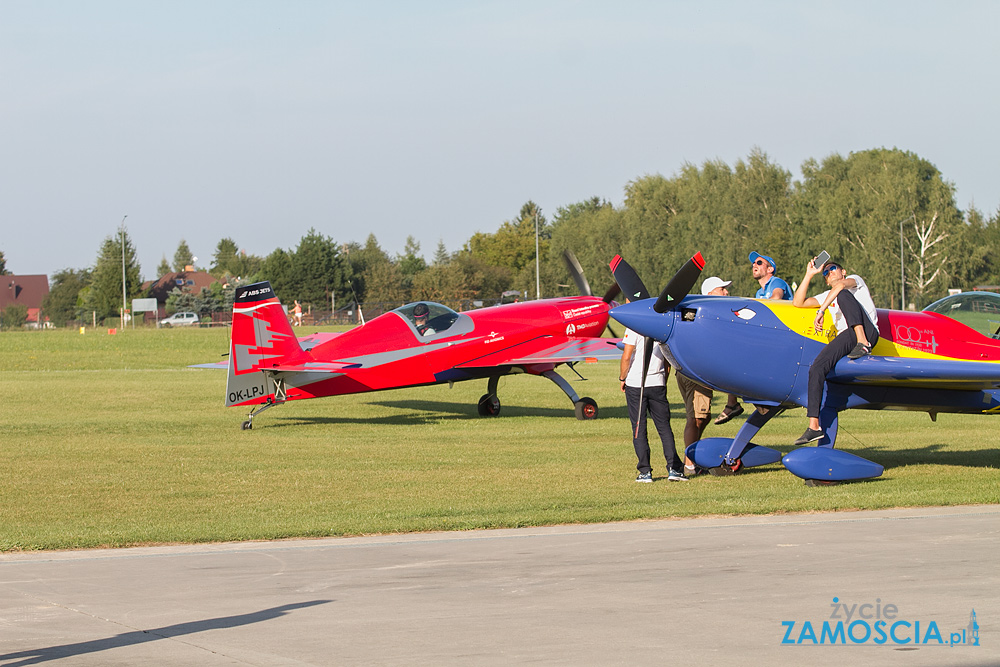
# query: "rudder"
262, 338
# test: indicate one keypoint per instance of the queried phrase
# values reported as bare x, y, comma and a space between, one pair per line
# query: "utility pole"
538, 282
124, 297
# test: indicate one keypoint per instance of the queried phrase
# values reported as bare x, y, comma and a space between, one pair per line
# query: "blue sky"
260, 120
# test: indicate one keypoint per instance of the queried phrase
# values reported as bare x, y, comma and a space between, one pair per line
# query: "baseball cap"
769, 260
714, 282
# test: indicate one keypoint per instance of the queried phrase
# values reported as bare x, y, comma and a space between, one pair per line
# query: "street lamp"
124, 297
538, 282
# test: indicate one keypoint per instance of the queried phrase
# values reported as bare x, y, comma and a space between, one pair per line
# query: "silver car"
185, 319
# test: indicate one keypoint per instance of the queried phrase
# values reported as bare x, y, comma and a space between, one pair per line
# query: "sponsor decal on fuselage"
584, 311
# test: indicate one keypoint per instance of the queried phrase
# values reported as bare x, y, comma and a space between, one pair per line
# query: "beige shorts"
697, 397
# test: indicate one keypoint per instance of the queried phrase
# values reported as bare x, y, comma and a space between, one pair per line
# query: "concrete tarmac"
710, 591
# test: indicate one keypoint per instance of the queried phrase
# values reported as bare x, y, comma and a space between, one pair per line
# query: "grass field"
112, 441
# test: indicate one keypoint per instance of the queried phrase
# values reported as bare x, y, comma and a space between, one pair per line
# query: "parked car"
180, 320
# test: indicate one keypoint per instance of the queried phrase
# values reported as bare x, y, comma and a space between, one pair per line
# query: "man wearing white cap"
697, 397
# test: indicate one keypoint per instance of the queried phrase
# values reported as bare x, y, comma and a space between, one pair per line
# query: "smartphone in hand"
821, 259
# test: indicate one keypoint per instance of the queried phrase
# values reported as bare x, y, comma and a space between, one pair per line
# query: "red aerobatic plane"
417, 344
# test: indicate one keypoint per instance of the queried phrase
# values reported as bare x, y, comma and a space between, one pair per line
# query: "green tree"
441, 255
163, 268
363, 261
592, 231
183, 256
105, 294
513, 244
62, 303
861, 208
229, 260
14, 316
3, 265
318, 271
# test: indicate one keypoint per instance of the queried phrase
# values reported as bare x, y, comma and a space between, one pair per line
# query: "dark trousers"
654, 404
838, 348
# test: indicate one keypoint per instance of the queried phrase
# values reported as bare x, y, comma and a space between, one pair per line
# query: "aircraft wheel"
247, 425
586, 408
489, 405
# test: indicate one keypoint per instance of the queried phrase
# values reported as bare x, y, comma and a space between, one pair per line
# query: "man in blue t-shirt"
765, 272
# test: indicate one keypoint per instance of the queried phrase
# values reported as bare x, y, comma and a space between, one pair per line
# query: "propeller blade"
612, 292
576, 271
647, 354
680, 285
628, 279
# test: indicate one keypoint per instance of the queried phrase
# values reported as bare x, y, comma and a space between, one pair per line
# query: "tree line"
886, 214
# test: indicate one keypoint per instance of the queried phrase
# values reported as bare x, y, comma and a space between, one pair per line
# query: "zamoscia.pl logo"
876, 623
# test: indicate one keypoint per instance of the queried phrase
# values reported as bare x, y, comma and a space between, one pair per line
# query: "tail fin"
262, 338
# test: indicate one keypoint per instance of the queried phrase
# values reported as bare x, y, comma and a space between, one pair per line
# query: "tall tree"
105, 294
512, 246
230, 260
320, 271
183, 256
163, 268
863, 207
3, 265
441, 256
409, 265
62, 303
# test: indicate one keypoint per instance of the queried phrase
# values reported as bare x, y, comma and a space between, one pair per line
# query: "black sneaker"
810, 435
859, 351
645, 477
676, 476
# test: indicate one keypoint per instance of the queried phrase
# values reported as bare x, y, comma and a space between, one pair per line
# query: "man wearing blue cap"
765, 272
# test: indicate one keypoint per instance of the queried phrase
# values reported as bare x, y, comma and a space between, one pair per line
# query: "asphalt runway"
712, 591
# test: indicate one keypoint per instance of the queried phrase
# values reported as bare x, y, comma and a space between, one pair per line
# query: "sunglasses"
760, 262
827, 270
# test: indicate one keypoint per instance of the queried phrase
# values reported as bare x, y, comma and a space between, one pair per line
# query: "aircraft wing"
550, 350
919, 373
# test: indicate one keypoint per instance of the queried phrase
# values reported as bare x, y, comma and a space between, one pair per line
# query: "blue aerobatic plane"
761, 350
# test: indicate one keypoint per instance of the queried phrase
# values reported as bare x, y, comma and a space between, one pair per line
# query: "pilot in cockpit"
420, 313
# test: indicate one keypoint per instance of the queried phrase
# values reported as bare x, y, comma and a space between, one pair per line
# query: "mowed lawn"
113, 441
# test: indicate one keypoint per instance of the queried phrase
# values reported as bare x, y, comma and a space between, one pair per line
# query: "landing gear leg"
586, 407
489, 404
248, 424
279, 397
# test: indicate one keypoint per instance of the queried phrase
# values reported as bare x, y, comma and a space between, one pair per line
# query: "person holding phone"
850, 303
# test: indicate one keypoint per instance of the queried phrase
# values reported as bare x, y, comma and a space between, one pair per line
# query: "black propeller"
678, 287
630, 282
583, 285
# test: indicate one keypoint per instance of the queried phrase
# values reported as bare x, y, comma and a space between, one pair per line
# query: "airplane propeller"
583, 285
680, 285
678, 288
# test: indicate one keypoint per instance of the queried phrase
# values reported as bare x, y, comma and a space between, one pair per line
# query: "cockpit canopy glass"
428, 318
978, 310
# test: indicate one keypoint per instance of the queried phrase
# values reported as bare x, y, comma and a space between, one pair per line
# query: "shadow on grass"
429, 412
50, 653
936, 454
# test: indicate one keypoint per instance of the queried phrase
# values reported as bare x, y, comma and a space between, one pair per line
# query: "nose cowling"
640, 317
